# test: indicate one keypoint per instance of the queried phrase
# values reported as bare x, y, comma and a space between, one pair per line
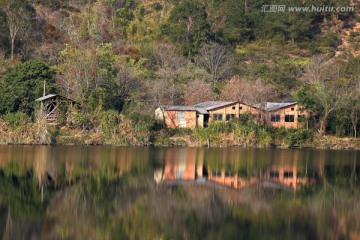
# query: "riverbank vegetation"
119, 60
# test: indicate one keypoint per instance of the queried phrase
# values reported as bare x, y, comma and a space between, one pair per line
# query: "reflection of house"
53, 106
200, 115
229, 179
179, 165
281, 114
289, 176
285, 171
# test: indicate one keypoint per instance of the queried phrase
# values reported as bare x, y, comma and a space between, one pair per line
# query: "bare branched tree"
197, 91
248, 91
217, 60
166, 56
163, 92
18, 17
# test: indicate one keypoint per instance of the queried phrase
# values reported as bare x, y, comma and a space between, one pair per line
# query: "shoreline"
256, 137
335, 146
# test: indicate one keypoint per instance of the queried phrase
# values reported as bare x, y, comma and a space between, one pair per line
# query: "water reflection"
202, 193
190, 165
238, 169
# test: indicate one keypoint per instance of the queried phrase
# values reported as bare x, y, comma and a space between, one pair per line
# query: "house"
277, 114
200, 115
54, 106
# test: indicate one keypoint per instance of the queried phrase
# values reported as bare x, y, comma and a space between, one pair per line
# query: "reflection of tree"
9, 226
353, 176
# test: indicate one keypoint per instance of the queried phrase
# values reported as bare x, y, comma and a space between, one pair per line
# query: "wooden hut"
53, 105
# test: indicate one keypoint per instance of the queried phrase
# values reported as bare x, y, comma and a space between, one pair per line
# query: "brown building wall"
237, 109
291, 110
192, 120
172, 121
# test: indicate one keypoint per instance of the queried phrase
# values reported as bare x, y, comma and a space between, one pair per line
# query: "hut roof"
51, 96
46, 97
210, 105
271, 106
184, 108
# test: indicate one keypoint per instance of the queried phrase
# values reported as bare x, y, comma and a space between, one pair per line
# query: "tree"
19, 15
163, 92
23, 84
247, 90
89, 76
323, 91
217, 60
197, 91
351, 69
188, 26
230, 21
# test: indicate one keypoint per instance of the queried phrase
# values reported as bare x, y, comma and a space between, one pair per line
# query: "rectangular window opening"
217, 117
275, 118
181, 116
289, 118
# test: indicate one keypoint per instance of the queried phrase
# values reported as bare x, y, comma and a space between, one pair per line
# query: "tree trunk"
322, 128
323, 122
12, 48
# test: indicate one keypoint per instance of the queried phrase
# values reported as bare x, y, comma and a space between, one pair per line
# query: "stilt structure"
53, 105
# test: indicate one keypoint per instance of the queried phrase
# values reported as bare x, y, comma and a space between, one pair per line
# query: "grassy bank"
111, 128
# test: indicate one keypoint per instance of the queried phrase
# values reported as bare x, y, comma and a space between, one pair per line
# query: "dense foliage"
23, 84
131, 56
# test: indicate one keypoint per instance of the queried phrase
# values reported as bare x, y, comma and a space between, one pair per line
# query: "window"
292, 109
233, 108
230, 117
218, 117
240, 108
181, 116
274, 174
289, 118
288, 174
275, 118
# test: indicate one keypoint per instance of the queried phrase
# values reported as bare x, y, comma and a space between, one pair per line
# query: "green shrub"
109, 122
263, 137
220, 127
16, 120
82, 121
296, 137
202, 134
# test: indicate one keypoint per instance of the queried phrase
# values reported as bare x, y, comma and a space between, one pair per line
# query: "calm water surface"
71, 192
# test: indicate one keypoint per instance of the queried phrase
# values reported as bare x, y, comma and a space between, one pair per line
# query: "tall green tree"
324, 91
231, 22
188, 26
23, 84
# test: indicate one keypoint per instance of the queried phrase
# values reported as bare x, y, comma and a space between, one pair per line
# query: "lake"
81, 192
